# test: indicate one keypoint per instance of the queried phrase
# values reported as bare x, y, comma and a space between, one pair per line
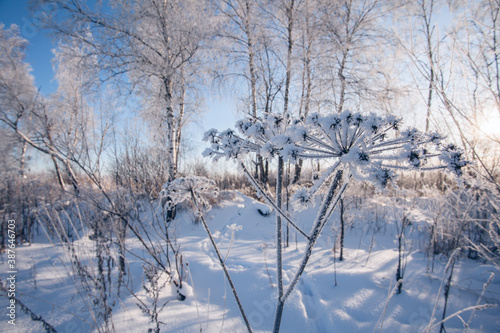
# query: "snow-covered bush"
468, 218
154, 282
369, 147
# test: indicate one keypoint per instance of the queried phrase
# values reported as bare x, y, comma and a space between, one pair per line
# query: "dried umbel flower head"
200, 189
368, 147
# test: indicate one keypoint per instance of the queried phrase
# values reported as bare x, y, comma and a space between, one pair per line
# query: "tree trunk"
259, 166
22, 162
298, 171
59, 177
172, 171
305, 100
343, 83
72, 176
171, 141
251, 58
180, 119
288, 78
428, 35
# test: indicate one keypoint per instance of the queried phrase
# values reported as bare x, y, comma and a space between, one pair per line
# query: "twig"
48, 328
389, 296
221, 261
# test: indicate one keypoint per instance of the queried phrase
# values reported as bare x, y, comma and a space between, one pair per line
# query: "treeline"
132, 75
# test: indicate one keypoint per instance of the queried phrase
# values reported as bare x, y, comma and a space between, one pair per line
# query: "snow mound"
263, 209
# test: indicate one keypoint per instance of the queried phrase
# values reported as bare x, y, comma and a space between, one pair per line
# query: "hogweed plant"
369, 148
199, 190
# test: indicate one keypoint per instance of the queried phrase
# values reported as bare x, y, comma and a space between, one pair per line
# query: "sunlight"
490, 125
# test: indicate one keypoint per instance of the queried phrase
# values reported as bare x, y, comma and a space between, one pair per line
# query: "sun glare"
491, 126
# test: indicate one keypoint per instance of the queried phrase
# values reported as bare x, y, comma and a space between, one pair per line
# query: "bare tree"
356, 42
426, 11
309, 50
23, 110
284, 20
249, 52
240, 37
143, 45
17, 92
476, 39
461, 73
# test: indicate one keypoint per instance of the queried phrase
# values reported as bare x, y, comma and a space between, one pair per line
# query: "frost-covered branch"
458, 313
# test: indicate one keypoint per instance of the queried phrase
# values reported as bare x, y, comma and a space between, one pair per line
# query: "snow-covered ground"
332, 296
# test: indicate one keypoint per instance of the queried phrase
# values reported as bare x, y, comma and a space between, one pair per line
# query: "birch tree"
23, 111
480, 46
285, 17
240, 39
17, 90
426, 11
310, 51
356, 45
248, 50
143, 46
460, 77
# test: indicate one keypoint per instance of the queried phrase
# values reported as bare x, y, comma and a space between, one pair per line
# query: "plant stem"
446, 295
221, 261
279, 231
327, 207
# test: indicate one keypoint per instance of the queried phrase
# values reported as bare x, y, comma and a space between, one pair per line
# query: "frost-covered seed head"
302, 199
181, 189
367, 146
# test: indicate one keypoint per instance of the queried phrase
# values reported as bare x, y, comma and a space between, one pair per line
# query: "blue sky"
39, 52
219, 111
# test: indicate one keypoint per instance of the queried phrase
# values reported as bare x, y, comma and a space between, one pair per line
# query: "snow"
263, 209
331, 296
